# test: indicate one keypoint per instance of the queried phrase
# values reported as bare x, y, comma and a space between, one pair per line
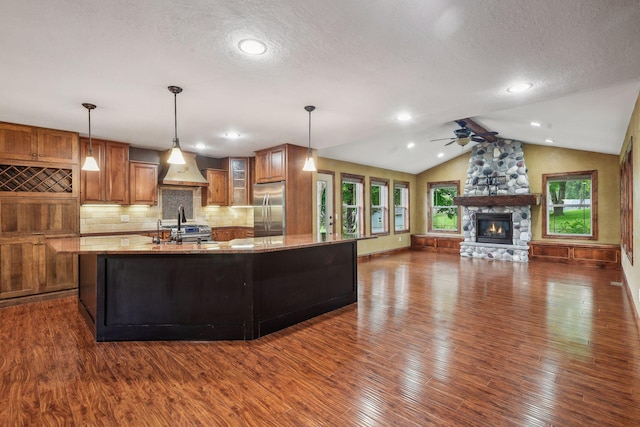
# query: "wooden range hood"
531, 199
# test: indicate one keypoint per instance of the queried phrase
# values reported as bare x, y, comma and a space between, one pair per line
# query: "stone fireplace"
496, 194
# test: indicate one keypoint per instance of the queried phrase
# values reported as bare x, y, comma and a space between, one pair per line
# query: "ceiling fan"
469, 131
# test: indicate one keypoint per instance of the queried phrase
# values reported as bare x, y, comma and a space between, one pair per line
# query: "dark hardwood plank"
433, 340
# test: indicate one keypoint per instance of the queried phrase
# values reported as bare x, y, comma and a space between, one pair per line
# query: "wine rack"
35, 179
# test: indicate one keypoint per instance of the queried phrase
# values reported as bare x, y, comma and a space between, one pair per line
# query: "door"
324, 211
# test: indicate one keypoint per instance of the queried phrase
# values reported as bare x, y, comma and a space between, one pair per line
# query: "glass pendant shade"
176, 157
90, 163
309, 165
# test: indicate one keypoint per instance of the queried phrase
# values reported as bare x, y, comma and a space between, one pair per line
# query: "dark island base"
213, 297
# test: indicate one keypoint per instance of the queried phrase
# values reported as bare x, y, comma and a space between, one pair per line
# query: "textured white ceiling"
360, 62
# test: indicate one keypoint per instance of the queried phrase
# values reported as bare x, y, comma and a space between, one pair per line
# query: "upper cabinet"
271, 164
216, 191
239, 180
143, 183
111, 183
229, 186
31, 144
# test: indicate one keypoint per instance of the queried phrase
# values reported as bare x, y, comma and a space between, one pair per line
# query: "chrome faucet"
181, 219
156, 240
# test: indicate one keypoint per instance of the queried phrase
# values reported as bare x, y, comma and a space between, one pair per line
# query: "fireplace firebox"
494, 228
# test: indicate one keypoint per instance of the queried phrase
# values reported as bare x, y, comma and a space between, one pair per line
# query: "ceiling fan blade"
442, 139
485, 134
478, 139
449, 143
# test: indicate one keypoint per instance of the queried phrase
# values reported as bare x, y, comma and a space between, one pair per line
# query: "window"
570, 204
401, 206
352, 205
444, 215
379, 206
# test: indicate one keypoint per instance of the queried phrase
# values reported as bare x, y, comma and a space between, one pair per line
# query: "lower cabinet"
28, 267
224, 234
61, 271
20, 268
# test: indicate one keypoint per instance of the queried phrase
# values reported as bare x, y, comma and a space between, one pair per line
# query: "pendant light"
90, 163
176, 154
309, 165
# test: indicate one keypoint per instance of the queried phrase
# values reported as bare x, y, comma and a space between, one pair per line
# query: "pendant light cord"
90, 143
175, 114
309, 133
309, 108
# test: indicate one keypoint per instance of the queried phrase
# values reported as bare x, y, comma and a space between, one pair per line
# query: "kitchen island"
132, 289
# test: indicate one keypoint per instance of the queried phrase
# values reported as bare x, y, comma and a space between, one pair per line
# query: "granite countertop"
136, 244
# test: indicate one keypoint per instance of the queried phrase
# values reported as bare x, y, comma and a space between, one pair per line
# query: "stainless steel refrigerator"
268, 209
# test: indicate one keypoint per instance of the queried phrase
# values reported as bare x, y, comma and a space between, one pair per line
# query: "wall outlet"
399, 238
124, 218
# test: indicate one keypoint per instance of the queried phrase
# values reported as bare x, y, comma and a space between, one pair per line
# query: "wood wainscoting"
591, 255
433, 243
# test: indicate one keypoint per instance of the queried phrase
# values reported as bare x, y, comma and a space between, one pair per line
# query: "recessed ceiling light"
403, 117
535, 124
520, 87
252, 47
440, 155
232, 135
411, 145
550, 141
200, 146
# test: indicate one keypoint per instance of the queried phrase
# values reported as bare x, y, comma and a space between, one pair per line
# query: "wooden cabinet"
28, 215
28, 267
32, 144
229, 186
215, 193
61, 270
271, 164
143, 183
20, 269
224, 234
111, 183
239, 184
39, 197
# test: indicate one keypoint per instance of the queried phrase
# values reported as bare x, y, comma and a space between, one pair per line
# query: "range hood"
187, 175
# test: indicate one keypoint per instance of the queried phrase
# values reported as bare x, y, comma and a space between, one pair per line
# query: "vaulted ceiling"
360, 62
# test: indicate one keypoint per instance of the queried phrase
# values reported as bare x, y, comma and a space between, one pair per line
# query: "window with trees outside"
379, 206
570, 205
352, 205
401, 206
444, 215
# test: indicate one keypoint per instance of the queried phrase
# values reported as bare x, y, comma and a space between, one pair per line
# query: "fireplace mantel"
530, 199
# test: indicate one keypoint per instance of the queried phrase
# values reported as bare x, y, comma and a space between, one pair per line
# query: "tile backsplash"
114, 218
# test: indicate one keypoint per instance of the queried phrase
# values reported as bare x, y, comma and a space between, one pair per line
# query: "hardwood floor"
433, 340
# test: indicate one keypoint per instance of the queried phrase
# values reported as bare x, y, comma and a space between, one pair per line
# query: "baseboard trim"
636, 315
38, 298
368, 257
